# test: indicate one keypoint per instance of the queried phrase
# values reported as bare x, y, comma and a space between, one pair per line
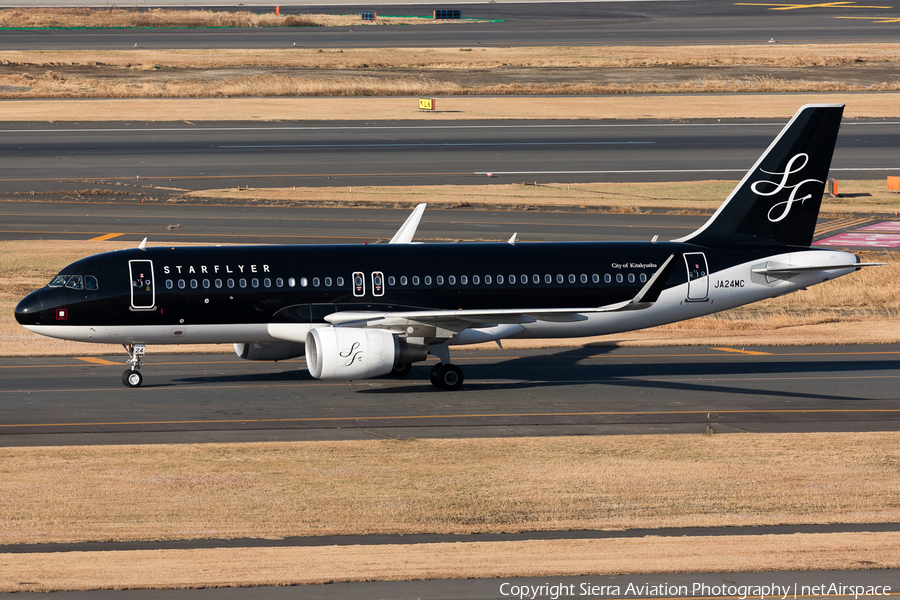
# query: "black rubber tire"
132, 379
434, 373
400, 371
450, 378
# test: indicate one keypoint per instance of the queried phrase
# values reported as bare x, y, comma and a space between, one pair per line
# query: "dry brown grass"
114, 17
52, 85
797, 56
168, 569
161, 492
453, 108
692, 197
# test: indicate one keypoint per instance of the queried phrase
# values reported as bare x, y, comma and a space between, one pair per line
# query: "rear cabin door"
698, 276
143, 287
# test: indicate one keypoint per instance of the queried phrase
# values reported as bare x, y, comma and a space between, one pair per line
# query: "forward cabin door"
698, 276
143, 286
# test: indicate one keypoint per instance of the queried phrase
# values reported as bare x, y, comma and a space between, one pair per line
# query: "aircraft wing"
456, 321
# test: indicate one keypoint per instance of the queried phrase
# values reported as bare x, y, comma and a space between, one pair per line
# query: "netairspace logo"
554, 591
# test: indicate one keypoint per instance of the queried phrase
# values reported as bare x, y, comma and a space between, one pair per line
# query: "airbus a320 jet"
363, 311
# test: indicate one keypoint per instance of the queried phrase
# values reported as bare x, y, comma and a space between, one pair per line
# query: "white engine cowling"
353, 353
269, 351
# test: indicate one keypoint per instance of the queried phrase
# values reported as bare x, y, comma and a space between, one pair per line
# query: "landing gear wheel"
400, 370
448, 377
132, 378
434, 374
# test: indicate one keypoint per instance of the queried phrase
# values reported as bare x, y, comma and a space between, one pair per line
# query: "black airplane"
362, 311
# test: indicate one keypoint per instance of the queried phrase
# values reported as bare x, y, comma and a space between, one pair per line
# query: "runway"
46, 157
523, 24
578, 391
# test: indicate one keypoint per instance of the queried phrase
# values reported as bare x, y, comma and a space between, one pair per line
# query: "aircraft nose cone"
28, 311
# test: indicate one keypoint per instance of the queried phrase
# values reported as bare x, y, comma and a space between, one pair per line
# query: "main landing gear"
445, 375
132, 377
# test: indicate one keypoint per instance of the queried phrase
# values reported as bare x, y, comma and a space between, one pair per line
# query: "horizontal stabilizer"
806, 268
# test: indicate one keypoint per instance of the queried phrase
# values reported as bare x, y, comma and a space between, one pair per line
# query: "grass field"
456, 108
159, 492
135, 17
187, 491
244, 567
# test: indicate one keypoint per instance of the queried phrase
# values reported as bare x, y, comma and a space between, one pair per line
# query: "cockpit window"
90, 283
59, 281
75, 282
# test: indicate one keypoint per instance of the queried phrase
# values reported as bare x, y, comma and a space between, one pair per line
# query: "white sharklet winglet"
143, 245
406, 232
512, 240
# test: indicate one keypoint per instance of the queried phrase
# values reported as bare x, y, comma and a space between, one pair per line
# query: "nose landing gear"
132, 377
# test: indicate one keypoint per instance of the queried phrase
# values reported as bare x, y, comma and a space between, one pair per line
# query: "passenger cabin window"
595, 278
499, 279
254, 282
571, 278
402, 280
487, 280
218, 283
206, 284
340, 282
607, 278
475, 279
242, 282
440, 280
169, 284
619, 278
181, 284
392, 280
328, 282
463, 279
583, 278
451, 280
231, 283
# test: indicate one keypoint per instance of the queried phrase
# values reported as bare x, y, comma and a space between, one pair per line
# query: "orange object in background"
894, 184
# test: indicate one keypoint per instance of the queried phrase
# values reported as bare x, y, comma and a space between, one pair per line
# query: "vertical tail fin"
778, 199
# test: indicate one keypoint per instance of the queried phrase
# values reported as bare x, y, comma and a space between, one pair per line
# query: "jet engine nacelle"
353, 353
269, 351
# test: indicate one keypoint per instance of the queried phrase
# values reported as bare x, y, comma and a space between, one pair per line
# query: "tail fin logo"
785, 205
